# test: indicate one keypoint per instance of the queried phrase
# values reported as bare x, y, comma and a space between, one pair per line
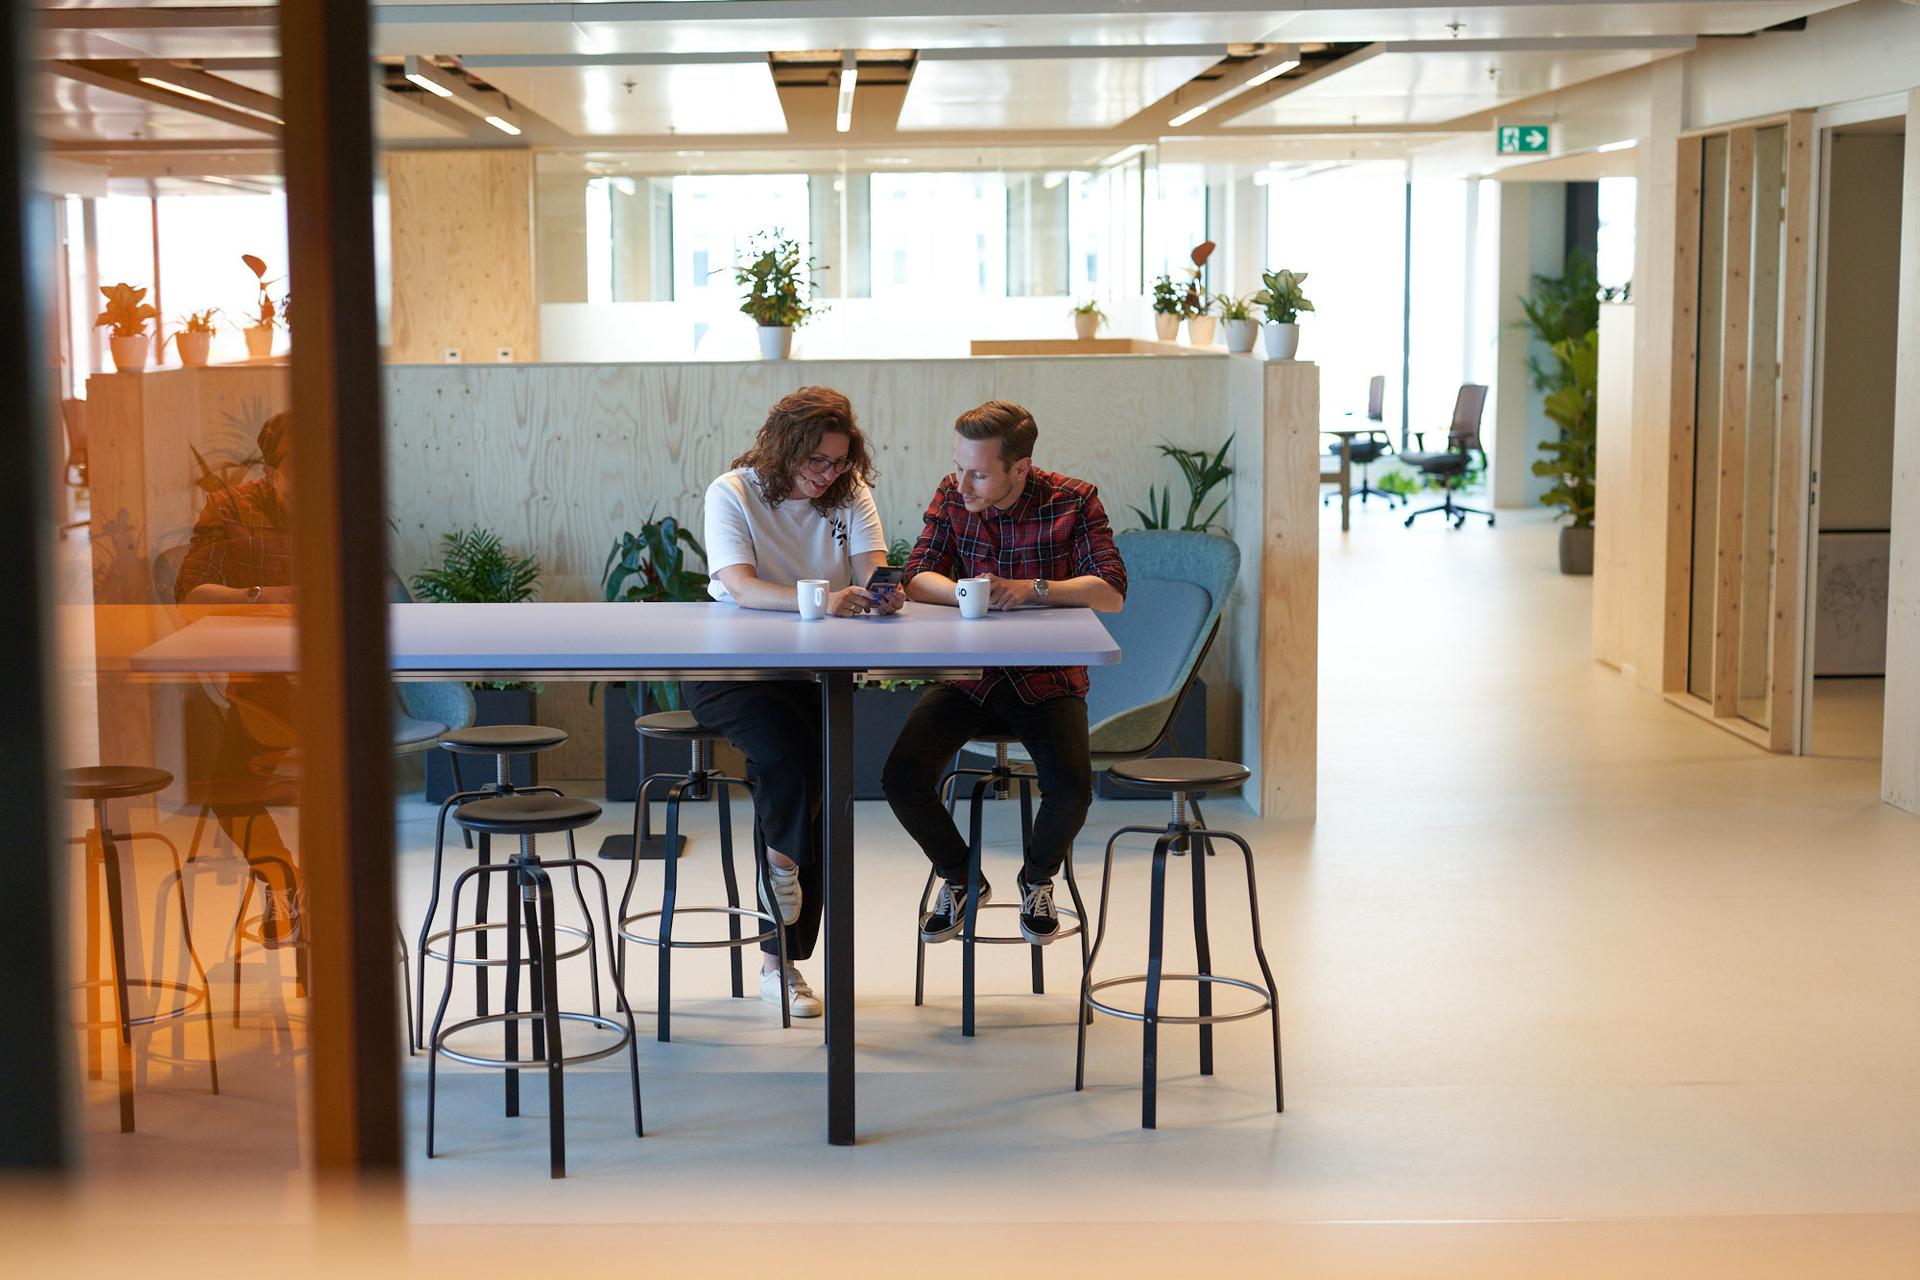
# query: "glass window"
1614, 257
201, 240
715, 217
939, 233
1177, 218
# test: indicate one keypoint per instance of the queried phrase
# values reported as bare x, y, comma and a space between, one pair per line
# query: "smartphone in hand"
886, 579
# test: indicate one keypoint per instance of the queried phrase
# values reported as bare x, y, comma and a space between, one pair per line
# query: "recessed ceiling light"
503, 125
429, 85
1621, 145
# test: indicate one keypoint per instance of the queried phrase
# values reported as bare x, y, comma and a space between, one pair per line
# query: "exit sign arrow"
1520, 139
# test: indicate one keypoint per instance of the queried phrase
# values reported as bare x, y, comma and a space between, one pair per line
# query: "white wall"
1533, 237
1858, 51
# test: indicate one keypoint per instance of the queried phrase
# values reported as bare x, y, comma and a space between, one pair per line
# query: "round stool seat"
671, 726
1180, 773
116, 781
996, 739
526, 815
502, 739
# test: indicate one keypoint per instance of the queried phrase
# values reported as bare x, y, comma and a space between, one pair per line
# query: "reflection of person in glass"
242, 552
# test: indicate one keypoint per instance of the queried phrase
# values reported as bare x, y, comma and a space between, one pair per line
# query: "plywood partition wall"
463, 256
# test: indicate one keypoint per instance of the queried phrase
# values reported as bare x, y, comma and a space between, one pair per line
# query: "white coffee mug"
812, 596
973, 595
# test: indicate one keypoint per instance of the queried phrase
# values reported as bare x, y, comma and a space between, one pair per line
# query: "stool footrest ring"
193, 998
1190, 1019
695, 944
529, 1015
981, 939
490, 962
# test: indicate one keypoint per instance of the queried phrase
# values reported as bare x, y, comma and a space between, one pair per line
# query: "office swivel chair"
1370, 448
1451, 466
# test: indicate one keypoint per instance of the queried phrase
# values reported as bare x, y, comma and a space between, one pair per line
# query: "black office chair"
1452, 465
1370, 448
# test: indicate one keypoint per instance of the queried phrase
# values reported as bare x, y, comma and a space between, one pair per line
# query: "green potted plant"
1087, 319
1572, 458
650, 565
266, 314
1197, 304
1236, 322
1166, 309
779, 284
1282, 301
1203, 473
193, 337
476, 568
127, 315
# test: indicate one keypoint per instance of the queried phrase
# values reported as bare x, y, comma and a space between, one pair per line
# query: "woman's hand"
849, 601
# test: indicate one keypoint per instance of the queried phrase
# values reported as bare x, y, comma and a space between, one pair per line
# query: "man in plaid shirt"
1042, 539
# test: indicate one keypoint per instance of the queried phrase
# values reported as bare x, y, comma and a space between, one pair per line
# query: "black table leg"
836, 705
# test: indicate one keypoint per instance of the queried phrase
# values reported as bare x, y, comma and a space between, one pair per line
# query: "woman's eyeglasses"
827, 466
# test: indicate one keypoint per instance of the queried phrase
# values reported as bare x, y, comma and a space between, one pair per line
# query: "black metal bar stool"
530, 907
701, 780
1185, 833
502, 742
1000, 779
100, 784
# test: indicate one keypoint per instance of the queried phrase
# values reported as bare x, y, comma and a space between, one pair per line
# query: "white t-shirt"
789, 542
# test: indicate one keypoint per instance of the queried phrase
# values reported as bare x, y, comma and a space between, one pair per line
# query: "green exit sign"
1520, 139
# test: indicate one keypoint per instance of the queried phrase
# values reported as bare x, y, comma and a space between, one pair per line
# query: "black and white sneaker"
949, 914
1039, 922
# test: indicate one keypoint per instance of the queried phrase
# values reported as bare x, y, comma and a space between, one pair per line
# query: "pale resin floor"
1573, 984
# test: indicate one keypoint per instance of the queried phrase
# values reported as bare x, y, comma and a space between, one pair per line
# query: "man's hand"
1010, 593
848, 601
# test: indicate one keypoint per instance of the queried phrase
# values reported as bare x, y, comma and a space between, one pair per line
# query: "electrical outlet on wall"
452, 356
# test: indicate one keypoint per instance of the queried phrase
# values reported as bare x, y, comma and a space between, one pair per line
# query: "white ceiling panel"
1040, 93
1433, 86
1338, 23
703, 98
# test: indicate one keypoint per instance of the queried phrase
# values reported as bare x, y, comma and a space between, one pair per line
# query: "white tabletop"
595, 638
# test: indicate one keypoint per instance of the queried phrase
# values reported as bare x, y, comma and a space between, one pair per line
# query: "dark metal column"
836, 704
34, 1074
346, 810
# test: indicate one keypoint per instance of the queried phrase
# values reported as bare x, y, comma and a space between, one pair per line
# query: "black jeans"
1054, 733
777, 724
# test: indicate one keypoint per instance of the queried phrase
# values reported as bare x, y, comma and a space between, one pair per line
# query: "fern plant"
475, 568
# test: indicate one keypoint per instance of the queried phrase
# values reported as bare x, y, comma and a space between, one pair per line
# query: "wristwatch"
1040, 588
253, 594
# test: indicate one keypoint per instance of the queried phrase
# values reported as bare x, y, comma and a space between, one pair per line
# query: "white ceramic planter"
1085, 326
1239, 335
1200, 331
129, 354
1166, 326
192, 347
1282, 341
259, 341
776, 341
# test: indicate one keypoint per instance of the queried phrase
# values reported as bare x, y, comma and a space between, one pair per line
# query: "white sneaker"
786, 892
801, 1002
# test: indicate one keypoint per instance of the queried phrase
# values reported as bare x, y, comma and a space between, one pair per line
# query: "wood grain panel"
1900, 755
1684, 378
1795, 425
1288, 664
462, 255
1731, 503
1618, 586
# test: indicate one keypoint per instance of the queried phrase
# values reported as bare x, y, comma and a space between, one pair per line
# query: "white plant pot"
1239, 335
776, 341
1166, 326
129, 354
1085, 326
193, 348
259, 341
1200, 331
1282, 341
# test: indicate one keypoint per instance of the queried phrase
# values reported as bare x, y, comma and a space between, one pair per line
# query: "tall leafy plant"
1571, 459
1203, 473
476, 568
778, 279
651, 565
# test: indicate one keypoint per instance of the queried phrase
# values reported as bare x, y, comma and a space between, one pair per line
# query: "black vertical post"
1406, 308
33, 1069
836, 695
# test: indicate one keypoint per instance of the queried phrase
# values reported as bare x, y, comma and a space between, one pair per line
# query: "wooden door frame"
1792, 481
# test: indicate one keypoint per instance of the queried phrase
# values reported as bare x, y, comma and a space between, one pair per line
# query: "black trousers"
777, 724
1054, 733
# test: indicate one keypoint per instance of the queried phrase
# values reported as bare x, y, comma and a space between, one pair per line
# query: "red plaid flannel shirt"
243, 538
1058, 530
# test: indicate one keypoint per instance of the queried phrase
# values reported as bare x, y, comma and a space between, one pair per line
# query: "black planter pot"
1576, 550
629, 757
878, 717
491, 706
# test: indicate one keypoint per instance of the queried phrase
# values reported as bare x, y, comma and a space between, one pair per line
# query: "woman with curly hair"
797, 505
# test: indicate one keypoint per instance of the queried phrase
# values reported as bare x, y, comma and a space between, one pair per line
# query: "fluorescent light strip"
1194, 113
438, 91
843, 114
1189, 116
1276, 70
198, 96
1622, 145
503, 125
1124, 153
